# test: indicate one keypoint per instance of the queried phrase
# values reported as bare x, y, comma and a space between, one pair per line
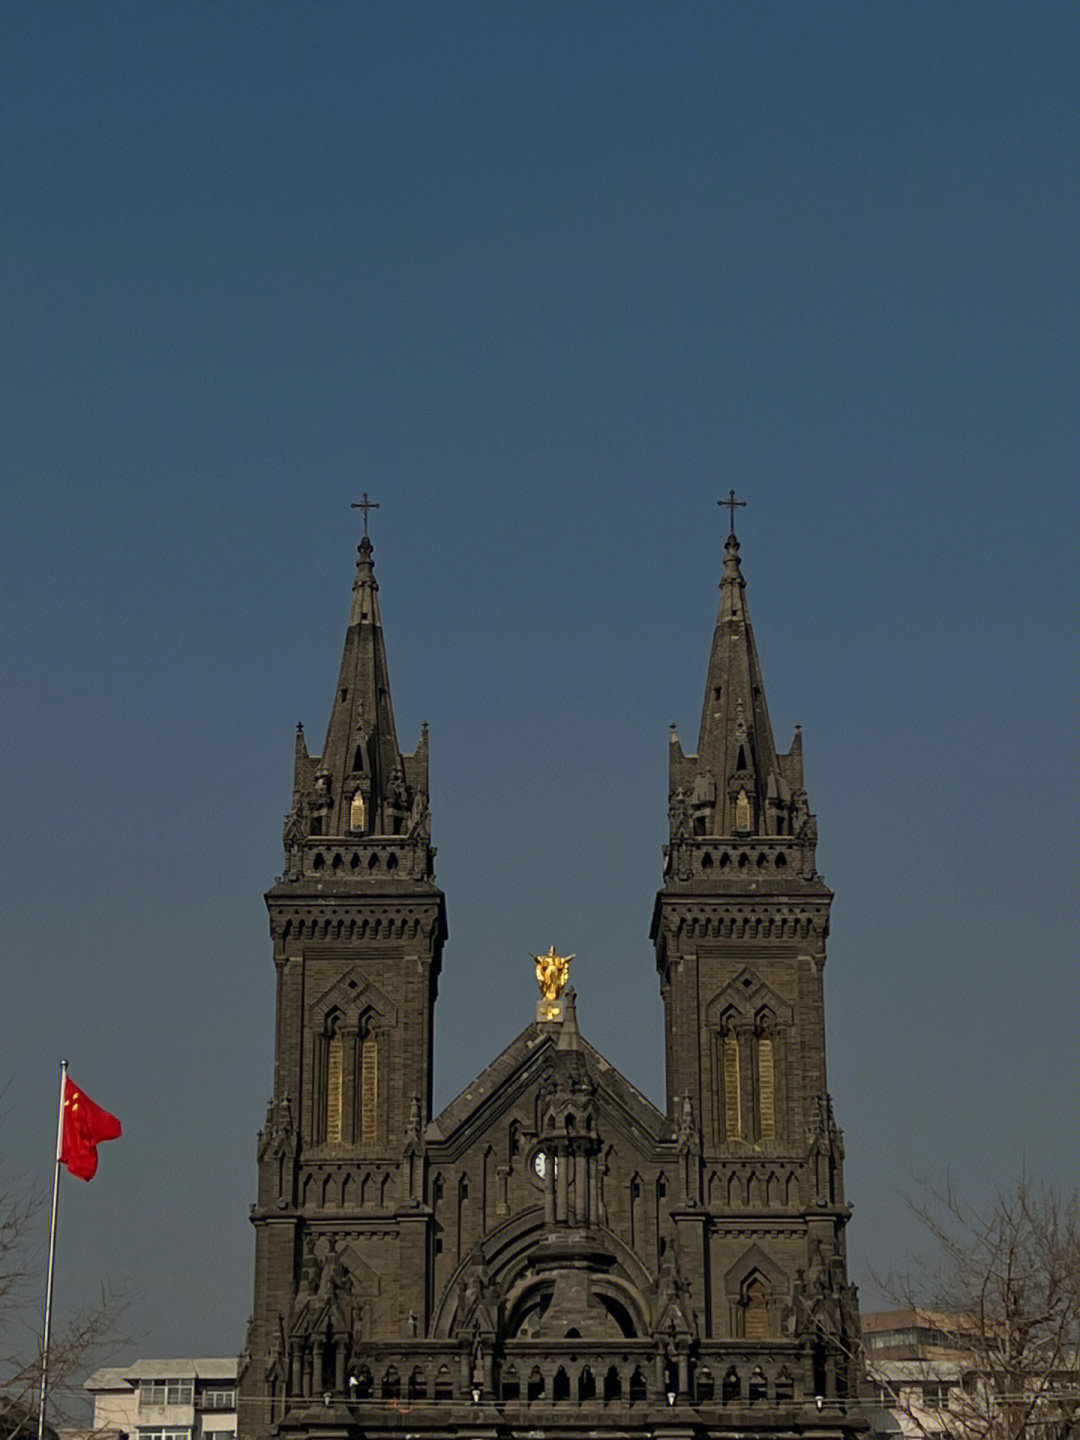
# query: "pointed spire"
570, 1035
737, 783
361, 784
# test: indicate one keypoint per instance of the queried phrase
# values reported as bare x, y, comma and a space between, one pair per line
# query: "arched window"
334, 1077
732, 1087
369, 1087
766, 1085
755, 1302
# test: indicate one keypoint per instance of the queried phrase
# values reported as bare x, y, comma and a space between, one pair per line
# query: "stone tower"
551, 1253
358, 926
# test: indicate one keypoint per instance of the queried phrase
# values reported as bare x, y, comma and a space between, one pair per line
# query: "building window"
165, 1433
369, 1088
166, 1392
218, 1400
335, 1061
935, 1397
755, 1312
732, 1099
766, 1087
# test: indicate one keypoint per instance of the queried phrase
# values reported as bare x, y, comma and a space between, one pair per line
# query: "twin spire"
737, 785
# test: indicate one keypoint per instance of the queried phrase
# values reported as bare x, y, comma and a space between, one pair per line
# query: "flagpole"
43, 1394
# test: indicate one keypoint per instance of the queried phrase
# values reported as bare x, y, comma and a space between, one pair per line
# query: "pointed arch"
732, 1083
369, 1081
755, 1310
333, 1079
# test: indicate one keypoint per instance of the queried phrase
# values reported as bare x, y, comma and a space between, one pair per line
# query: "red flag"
85, 1126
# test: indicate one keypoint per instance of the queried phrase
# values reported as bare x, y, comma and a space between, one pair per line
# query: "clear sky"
546, 280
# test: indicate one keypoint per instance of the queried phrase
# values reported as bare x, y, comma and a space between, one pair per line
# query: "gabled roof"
501, 1083
122, 1377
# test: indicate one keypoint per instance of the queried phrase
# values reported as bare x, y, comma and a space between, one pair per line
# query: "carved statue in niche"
672, 1295
703, 801
420, 817
679, 815
478, 1299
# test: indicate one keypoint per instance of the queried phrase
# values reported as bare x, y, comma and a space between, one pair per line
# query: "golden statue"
552, 973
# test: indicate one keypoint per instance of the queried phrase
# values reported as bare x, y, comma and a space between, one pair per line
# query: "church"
551, 1255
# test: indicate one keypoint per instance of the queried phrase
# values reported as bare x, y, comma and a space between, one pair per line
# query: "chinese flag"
85, 1126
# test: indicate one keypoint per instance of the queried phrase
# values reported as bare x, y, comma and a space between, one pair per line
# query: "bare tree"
81, 1341
1004, 1297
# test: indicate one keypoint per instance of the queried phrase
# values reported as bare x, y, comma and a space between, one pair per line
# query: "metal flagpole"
43, 1394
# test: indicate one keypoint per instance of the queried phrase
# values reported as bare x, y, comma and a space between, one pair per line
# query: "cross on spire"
365, 505
732, 505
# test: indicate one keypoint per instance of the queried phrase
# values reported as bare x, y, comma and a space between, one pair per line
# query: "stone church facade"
551, 1254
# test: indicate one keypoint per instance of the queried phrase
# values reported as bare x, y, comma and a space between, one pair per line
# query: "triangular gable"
501, 1084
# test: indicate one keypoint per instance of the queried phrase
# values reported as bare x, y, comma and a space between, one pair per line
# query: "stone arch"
620, 1281
756, 1288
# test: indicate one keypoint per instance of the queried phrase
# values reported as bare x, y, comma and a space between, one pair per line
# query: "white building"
165, 1400
916, 1381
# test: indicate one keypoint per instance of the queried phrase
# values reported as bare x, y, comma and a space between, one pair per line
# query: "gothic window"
391, 1384
755, 1308
333, 1086
638, 1388
369, 1087
511, 1385
758, 1388
706, 1386
766, 1086
732, 1386
732, 1087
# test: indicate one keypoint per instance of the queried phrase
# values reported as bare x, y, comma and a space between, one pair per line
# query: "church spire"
361, 786
737, 784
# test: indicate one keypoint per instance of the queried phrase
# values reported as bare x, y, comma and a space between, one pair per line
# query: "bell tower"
358, 926
741, 921
740, 926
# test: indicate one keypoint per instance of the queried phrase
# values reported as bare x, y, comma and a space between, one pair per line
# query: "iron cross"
365, 505
732, 505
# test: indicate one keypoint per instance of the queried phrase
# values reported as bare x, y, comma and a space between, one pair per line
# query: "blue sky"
546, 280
